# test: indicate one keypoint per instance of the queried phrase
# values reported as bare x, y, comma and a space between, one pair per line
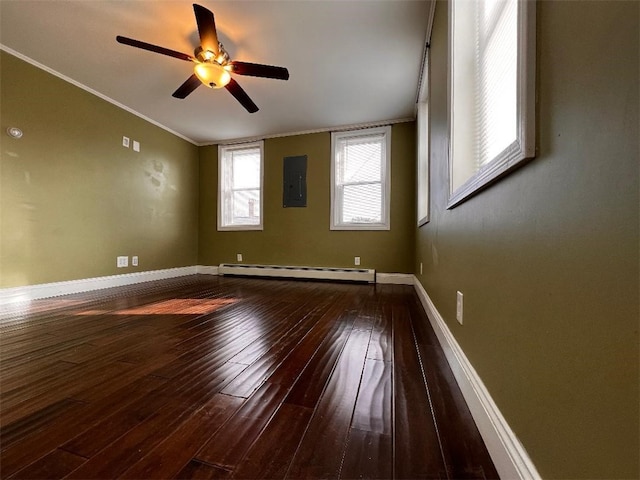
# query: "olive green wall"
72, 198
301, 236
547, 258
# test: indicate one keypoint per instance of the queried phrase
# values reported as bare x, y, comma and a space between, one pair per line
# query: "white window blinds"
496, 58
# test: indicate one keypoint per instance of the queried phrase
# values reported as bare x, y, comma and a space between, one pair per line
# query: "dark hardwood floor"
218, 377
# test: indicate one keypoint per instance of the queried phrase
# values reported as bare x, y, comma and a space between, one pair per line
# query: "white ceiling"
351, 62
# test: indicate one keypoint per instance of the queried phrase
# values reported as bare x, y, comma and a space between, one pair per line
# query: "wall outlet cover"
356, 261
239, 257
125, 142
134, 261
459, 307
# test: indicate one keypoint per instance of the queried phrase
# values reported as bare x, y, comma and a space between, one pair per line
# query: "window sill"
357, 226
240, 228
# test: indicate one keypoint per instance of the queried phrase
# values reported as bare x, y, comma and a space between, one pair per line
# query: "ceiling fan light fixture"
212, 74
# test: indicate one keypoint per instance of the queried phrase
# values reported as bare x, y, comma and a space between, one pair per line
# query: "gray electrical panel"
294, 192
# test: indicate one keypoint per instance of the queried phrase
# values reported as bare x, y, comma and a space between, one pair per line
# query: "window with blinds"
492, 77
360, 179
240, 187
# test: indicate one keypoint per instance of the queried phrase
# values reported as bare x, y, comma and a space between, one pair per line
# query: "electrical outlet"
356, 261
122, 261
420, 268
459, 307
239, 257
134, 261
125, 142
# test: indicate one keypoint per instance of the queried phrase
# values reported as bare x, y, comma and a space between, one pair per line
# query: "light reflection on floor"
175, 306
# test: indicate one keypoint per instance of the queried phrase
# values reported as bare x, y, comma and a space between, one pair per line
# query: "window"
422, 184
423, 163
492, 83
360, 183
240, 186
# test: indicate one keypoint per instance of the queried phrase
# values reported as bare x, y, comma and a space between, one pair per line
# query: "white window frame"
222, 149
523, 148
336, 198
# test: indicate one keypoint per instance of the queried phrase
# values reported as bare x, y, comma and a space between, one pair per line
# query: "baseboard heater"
317, 273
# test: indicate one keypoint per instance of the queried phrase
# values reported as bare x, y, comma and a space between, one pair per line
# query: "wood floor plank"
373, 408
322, 447
273, 354
271, 454
57, 389
200, 471
34, 445
308, 387
368, 455
136, 443
228, 445
175, 452
464, 451
417, 448
381, 343
34, 422
56, 464
289, 370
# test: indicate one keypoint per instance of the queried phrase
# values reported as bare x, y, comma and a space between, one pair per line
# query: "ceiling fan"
213, 66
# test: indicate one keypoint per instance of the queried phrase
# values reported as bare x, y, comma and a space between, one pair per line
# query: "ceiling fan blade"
259, 70
206, 28
154, 48
187, 87
237, 91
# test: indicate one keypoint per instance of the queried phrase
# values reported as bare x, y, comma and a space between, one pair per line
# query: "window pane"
497, 64
246, 169
246, 207
362, 203
362, 160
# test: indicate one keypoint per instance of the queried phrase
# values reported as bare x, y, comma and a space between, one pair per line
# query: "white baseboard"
47, 290
207, 269
508, 455
395, 278
56, 289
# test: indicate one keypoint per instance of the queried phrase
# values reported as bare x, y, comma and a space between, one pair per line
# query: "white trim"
207, 269
55, 289
340, 128
92, 91
395, 278
508, 455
